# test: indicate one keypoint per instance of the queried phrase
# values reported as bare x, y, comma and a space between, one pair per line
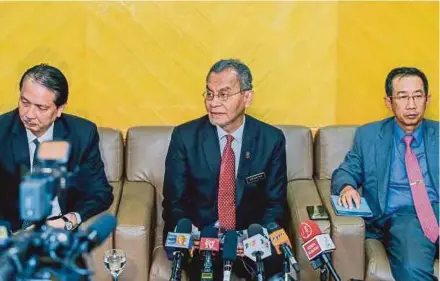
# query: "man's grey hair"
243, 71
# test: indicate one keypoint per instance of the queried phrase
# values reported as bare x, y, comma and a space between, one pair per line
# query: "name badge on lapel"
256, 177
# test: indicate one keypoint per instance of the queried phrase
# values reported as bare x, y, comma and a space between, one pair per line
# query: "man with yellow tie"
396, 161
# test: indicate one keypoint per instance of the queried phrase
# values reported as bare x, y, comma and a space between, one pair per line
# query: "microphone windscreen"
255, 229
209, 232
184, 226
230, 246
102, 228
308, 229
273, 226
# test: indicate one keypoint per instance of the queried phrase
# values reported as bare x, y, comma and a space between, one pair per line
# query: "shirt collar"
237, 134
47, 136
399, 133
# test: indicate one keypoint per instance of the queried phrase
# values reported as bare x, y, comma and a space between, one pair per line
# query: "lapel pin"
247, 155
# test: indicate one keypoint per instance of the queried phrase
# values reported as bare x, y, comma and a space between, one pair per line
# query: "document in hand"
363, 211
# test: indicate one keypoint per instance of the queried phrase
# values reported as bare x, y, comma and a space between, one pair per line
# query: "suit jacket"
92, 194
192, 171
368, 162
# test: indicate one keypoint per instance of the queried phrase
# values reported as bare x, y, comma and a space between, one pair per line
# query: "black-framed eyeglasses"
406, 98
221, 96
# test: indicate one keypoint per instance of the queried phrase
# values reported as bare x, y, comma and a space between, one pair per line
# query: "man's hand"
347, 196
59, 223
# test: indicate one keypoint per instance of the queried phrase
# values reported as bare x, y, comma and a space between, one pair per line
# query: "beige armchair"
140, 207
301, 191
112, 150
355, 256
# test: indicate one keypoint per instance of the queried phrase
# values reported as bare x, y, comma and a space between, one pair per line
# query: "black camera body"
36, 195
39, 188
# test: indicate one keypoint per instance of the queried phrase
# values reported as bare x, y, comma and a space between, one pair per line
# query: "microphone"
179, 242
95, 234
257, 248
209, 243
229, 254
11, 260
281, 242
316, 245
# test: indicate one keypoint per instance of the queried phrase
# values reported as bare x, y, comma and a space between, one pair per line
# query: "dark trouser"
410, 253
243, 267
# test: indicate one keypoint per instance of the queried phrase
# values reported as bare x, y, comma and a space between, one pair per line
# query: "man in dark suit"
226, 169
39, 117
396, 161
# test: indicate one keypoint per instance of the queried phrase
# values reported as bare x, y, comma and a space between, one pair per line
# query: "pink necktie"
424, 210
226, 190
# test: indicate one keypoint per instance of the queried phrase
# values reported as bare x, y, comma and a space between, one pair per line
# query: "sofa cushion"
299, 151
378, 267
112, 150
330, 147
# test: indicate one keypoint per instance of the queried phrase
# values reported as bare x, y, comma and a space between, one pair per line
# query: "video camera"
48, 179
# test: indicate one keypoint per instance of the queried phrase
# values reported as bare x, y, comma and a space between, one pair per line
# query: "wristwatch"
68, 224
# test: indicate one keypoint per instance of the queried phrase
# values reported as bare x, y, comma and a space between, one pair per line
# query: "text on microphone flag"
178, 240
312, 249
209, 244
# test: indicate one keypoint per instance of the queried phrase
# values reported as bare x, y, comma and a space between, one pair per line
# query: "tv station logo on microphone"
178, 240
209, 244
257, 244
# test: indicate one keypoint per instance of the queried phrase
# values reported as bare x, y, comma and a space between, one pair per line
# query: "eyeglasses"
406, 99
209, 96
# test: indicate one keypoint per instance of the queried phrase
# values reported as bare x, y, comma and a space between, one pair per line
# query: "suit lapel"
60, 131
20, 146
432, 152
246, 157
211, 149
383, 149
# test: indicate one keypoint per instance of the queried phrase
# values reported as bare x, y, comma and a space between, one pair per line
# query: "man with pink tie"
396, 161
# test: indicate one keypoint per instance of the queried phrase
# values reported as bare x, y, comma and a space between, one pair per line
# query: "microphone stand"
176, 271
286, 267
333, 273
323, 273
286, 271
260, 269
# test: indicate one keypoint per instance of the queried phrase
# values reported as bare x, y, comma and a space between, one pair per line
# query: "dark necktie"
423, 207
35, 163
226, 190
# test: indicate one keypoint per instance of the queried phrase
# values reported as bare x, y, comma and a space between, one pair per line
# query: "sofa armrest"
100, 272
300, 194
134, 232
378, 267
348, 234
